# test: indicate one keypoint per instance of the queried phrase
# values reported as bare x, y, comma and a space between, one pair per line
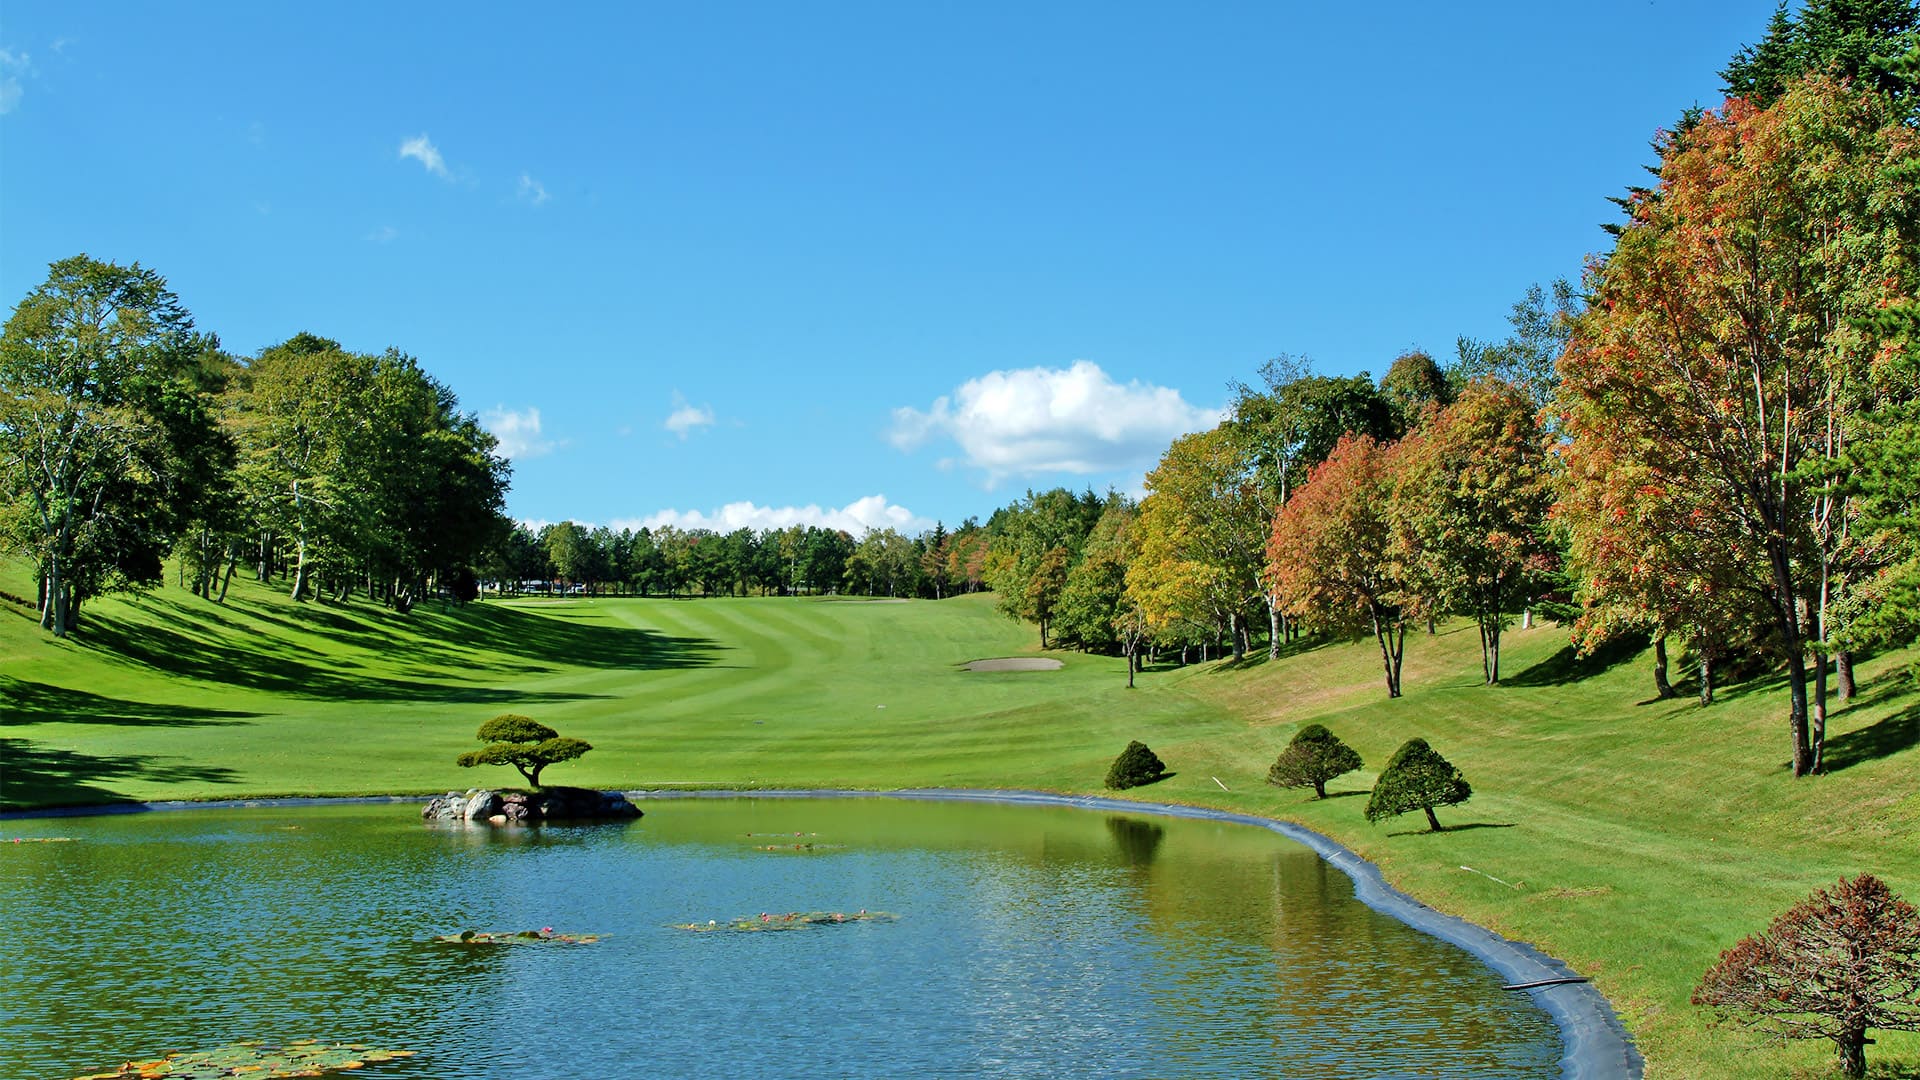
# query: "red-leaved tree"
1835, 966
1329, 559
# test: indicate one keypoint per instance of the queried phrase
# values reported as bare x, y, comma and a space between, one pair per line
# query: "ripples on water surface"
1033, 942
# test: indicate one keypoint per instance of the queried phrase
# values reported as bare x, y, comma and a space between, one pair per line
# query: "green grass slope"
1633, 838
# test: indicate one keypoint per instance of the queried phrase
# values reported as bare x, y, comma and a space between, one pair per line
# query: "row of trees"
1712, 440
127, 436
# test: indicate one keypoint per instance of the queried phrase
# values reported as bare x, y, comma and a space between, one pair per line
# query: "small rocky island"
530, 807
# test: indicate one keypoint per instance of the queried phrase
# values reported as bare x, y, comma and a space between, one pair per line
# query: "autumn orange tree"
1470, 499
1330, 557
1720, 357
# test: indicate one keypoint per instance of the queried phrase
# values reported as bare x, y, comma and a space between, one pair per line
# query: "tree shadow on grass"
264, 662
23, 702
1568, 666
44, 776
1445, 828
1885, 738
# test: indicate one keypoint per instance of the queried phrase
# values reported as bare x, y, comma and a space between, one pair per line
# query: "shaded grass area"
1635, 838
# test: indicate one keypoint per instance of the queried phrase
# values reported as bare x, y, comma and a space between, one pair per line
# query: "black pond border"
1596, 1045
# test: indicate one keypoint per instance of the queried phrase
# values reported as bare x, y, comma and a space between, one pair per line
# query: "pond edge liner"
1596, 1046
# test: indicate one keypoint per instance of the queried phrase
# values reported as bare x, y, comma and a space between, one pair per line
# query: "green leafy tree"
525, 744
1414, 385
1136, 766
1313, 757
103, 430
1093, 597
1835, 966
1417, 778
1034, 543
1855, 40
1281, 432
1541, 323
1885, 474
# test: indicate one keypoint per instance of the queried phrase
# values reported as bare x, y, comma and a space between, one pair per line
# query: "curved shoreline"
1595, 1044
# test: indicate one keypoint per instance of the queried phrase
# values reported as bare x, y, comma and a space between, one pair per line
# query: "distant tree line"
799, 560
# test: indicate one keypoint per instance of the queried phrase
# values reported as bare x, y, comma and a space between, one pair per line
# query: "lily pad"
792, 920
546, 935
303, 1057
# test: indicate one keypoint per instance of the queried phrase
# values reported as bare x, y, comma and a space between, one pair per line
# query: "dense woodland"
1710, 442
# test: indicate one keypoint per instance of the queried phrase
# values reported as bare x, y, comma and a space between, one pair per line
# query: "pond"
1030, 941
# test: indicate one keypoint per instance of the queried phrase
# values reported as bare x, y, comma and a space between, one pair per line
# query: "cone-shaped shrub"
1314, 757
1417, 779
1135, 766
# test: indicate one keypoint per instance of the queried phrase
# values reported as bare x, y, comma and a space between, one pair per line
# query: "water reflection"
1032, 942
1138, 839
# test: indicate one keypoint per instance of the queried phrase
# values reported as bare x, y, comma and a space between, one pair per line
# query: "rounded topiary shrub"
1314, 757
1135, 766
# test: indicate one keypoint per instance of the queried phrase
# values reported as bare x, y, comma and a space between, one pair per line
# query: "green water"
1032, 942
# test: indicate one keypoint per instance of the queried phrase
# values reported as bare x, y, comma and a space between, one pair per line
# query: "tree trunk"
1433, 823
1273, 630
1662, 688
1853, 1050
1131, 650
1797, 714
1706, 678
1786, 613
299, 591
1819, 733
1389, 651
53, 615
1843, 674
233, 563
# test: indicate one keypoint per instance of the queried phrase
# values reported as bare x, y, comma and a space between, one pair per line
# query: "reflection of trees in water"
1137, 839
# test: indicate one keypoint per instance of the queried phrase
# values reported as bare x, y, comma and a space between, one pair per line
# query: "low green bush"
1135, 766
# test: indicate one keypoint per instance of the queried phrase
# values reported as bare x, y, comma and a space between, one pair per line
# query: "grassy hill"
1634, 838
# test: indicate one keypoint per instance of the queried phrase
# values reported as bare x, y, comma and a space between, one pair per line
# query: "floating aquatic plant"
39, 840
303, 1057
516, 937
799, 847
792, 920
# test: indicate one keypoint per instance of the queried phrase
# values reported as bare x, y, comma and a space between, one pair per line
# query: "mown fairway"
1635, 839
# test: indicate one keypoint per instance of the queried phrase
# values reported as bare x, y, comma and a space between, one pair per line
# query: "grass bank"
1633, 838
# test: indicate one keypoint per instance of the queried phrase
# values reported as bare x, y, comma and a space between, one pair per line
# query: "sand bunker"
1016, 663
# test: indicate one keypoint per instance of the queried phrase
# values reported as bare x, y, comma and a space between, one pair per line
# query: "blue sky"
858, 263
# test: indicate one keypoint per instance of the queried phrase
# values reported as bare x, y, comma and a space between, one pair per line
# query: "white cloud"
519, 432
13, 66
421, 149
385, 234
857, 517
532, 190
1036, 420
685, 417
